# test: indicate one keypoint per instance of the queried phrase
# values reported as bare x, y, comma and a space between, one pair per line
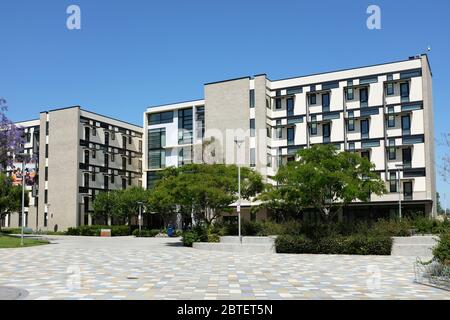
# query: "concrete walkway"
416, 246
160, 268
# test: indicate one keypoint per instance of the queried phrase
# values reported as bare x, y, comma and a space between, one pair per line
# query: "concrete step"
416, 240
416, 246
234, 247
248, 240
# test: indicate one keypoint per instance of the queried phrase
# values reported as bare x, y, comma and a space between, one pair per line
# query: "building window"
46, 174
252, 127
406, 125
279, 130
94, 131
313, 130
46, 196
113, 157
152, 178
312, 99
365, 129
113, 135
130, 139
124, 183
252, 157
86, 133
326, 132
404, 91
363, 97
160, 118
392, 182
185, 126
277, 104
365, 154
185, 156
140, 145
290, 106
269, 132
350, 90
407, 190
156, 159
351, 121
47, 128
252, 98
45, 219
86, 156
391, 117
269, 160
392, 153
46, 150
106, 182
407, 157
106, 160
86, 180
351, 146
390, 89
107, 138
291, 136
93, 176
326, 102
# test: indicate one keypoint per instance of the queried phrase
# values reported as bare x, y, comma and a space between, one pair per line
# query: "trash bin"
170, 231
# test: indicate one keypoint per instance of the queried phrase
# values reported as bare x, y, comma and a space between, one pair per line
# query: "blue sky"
132, 54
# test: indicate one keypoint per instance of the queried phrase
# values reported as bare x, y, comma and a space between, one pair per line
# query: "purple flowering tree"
11, 137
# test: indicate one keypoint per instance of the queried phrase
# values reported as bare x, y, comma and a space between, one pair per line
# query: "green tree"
324, 180
128, 202
207, 190
104, 204
10, 197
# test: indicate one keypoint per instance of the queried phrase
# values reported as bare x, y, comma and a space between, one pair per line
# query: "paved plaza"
160, 268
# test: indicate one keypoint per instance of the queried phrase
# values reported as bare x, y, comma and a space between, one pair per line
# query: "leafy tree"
324, 180
127, 203
11, 137
10, 197
439, 208
120, 204
104, 204
207, 190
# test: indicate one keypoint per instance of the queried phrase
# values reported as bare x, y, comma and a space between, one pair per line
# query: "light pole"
399, 167
23, 155
140, 216
238, 144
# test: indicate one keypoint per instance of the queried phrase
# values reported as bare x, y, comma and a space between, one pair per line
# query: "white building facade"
384, 112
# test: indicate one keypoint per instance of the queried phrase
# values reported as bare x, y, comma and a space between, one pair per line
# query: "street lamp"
399, 167
140, 215
23, 155
238, 144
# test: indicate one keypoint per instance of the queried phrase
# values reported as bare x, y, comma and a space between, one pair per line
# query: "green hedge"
146, 233
94, 231
355, 244
442, 251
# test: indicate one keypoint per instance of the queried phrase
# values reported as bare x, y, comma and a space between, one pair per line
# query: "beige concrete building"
384, 112
77, 154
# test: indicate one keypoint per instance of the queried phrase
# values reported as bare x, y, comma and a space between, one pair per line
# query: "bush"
11, 230
393, 228
146, 233
188, 238
94, 231
356, 244
441, 252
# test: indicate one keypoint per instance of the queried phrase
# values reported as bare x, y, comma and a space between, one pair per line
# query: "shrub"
393, 228
146, 233
356, 244
441, 252
11, 230
188, 238
94, 231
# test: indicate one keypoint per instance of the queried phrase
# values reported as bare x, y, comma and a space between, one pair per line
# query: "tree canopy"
324, 180
10, 197
11, 137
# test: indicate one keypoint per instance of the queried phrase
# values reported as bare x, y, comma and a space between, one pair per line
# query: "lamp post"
140, 215
399, 167
23, 155
238, 144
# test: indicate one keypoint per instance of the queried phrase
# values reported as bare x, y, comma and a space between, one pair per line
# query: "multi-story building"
384, 112
75, 154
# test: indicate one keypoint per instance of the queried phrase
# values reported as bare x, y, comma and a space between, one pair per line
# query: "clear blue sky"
132, 54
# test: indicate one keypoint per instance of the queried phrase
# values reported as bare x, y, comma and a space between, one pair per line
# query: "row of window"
107, 180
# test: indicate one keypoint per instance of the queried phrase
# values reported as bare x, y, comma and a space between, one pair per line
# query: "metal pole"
239, 202
399, 196
140, 217
23, 199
